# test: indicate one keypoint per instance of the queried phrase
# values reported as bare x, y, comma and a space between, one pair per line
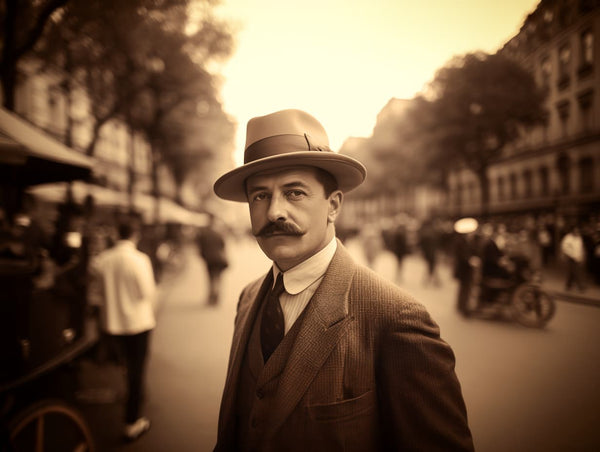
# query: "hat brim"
348, 172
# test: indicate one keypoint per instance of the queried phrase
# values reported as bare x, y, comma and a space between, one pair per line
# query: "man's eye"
259, 196
295, 194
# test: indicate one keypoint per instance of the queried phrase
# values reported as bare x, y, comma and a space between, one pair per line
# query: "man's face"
290, 215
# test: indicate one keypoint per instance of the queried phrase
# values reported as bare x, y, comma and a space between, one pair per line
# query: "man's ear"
336, 200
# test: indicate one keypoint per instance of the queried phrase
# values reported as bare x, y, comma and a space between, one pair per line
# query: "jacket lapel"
247, 311
326, 321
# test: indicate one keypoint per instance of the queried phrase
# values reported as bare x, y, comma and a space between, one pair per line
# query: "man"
127, 314
465, 258
572, 247
496, 266
212, 249
335, 358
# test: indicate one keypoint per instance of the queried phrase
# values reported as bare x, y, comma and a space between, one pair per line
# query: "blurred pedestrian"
429, 242
544, 240
465, 254
572, 248
527, 249
211, 244
501, 237
400, 248
596, 257
495, 265
326, 354
127, 315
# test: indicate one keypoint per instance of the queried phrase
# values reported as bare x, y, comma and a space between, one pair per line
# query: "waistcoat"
258, 384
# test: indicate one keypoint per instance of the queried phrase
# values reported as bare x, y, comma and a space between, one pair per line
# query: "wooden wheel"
50, 425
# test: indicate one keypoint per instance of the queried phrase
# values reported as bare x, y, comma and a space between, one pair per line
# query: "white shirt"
129, 289
572, 246
302, 281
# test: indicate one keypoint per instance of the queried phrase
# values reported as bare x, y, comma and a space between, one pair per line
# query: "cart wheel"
532, 306
50, 425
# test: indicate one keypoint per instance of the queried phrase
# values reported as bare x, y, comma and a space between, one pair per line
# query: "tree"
115, 50
23, 23
476, 105
395, 155
140, 62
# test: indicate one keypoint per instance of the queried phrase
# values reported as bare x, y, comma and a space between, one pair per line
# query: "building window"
500, 188
563, 109
546, 125
527, 183
586, 175
564, 66
586, 57
565, 14
513, 186
586, 101
546, 70
544, 181
563, 165
587, 47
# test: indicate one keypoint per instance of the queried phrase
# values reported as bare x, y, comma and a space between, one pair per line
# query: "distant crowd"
547, 242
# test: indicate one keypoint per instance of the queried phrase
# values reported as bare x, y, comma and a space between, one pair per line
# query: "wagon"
44, 324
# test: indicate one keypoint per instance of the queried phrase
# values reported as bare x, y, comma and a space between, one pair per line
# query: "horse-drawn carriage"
44, 324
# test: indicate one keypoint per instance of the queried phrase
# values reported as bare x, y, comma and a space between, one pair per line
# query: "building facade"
552, 169
41, 100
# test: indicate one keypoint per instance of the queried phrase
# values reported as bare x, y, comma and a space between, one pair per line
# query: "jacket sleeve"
421, 399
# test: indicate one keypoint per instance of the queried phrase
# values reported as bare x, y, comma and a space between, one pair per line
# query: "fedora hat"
283, 139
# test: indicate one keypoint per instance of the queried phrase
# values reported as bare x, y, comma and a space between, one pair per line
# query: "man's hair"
127, 229
327, 180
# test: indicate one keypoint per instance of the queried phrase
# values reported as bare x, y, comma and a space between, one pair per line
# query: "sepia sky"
342, 60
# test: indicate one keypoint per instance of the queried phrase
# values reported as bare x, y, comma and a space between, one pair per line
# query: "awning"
29, 156
169, 211
57, 192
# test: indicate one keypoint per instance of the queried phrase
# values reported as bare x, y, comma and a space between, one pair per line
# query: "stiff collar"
301, 276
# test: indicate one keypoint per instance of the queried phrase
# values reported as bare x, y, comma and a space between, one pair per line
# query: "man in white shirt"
326, 355
127, 314
574, 251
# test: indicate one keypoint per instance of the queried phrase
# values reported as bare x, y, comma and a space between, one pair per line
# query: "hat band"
280, 144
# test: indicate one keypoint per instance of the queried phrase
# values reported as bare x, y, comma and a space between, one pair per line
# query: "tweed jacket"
367, 372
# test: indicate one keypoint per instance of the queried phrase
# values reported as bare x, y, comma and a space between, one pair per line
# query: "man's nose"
277, 209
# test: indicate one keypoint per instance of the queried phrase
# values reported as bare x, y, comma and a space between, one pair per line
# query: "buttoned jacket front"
367, 371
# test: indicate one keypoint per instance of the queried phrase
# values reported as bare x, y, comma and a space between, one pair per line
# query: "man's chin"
279, 247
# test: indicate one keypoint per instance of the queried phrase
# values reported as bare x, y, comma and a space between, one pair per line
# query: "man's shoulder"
367, 282
119, 253
373, 298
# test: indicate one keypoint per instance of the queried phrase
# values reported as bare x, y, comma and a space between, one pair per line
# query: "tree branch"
38, 27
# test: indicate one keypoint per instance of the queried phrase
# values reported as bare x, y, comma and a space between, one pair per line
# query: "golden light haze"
342, 60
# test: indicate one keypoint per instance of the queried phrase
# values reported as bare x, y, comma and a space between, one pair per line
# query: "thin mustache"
286, 228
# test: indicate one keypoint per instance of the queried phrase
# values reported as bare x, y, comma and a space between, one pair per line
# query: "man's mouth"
279, 234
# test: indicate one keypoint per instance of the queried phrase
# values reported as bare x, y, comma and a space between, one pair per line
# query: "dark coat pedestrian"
211, 244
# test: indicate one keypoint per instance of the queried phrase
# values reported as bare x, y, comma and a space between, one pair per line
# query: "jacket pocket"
344, 409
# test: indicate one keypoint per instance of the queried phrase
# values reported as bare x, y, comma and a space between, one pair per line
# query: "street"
525, 389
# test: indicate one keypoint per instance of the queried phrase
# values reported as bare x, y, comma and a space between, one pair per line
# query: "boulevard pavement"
525, 389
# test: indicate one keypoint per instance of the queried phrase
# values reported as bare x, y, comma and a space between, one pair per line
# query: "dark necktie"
272, 325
